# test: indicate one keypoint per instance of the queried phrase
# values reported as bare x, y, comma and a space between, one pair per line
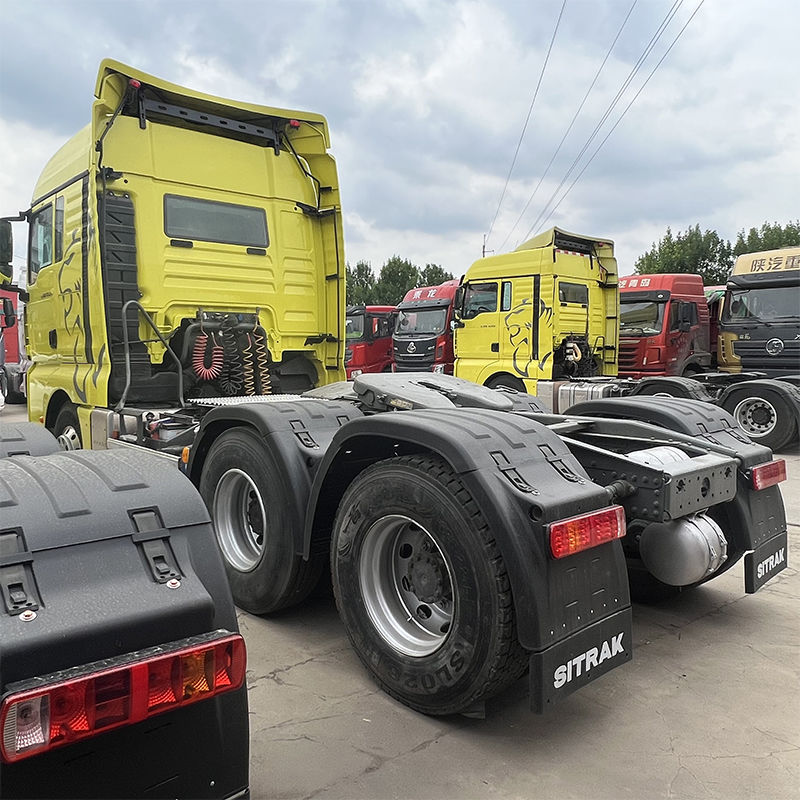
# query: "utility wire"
626, 83
564, 137
674, 41
525, 126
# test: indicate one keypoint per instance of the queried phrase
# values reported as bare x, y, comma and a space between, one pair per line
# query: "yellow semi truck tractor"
547, 311
186, 264
181, 246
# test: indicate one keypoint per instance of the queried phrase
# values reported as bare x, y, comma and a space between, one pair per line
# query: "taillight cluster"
66, 711
569, 536
768, 474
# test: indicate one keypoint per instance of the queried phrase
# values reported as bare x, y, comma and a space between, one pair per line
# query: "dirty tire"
245, 493
67, 429
765, 417
422, 588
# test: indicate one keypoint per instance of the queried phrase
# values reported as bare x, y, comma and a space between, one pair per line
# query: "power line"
626, 83
525, 126
564, 137
680, 33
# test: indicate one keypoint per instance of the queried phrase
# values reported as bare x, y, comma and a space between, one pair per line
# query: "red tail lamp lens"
768, 474
61, 712
569, 536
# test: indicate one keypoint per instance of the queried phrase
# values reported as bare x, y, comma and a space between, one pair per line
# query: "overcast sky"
427, 101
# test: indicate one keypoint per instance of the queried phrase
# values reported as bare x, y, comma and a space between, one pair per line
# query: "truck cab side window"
505, 302
59, 229
479, 298
675, 315
41, 242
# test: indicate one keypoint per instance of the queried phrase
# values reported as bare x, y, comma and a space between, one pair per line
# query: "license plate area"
765, 562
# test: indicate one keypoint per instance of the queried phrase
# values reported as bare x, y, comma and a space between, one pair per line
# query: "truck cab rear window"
573, 293
211, 221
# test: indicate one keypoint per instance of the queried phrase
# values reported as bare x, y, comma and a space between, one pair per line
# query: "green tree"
768, 237
693, 252
398, 275
361, 284
433, 275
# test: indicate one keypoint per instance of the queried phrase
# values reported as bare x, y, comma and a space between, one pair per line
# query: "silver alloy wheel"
239, 519
757, 416
69, 439
407, 585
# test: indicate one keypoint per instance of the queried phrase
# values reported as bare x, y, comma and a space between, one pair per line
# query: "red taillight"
768, 474
65, 711
569, 536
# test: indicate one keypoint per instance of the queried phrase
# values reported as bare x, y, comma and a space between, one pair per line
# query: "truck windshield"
768, 304
421, 320
355, 328
641, 319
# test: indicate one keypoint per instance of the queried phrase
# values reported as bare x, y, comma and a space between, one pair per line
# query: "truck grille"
755, 357
627, 356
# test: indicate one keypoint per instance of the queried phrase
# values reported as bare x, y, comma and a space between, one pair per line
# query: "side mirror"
685, 327
9, 318
6, 251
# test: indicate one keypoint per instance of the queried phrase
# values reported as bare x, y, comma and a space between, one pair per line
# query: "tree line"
694, 252
708, 255
397, 276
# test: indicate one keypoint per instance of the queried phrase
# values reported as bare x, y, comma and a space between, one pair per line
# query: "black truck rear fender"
297, 432
751, 517
523, 477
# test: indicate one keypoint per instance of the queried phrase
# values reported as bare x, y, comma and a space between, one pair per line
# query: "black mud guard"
673, 386
523, 477
26, 438
752, 517
297, 433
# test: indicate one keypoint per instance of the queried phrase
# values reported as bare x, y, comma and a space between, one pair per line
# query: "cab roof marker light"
769, 474
61, 712
572, 535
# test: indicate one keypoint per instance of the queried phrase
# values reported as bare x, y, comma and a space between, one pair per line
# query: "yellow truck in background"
180, 218
547, 311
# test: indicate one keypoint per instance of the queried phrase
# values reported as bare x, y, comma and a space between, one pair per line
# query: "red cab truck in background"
423, 336
663, 326
369, 340
12, 360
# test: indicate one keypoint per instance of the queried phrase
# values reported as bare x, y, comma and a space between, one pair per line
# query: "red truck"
369, 340
663, 326
423, 336
12, 361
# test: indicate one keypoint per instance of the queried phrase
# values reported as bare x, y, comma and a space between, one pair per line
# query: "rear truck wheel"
67, 429
422, 588
506, 382
244, 491
765, 417
672, 387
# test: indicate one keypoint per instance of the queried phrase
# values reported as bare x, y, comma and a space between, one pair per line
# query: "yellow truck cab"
182, 245
546, 311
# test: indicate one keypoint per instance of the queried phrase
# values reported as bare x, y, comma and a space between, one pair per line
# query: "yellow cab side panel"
64, 323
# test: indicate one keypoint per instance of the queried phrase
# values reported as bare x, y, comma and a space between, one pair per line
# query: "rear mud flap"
577, 660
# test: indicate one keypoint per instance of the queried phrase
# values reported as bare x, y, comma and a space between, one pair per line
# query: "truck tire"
672, 387
67, 429
244, 491
763, 415
422, 588
506, 382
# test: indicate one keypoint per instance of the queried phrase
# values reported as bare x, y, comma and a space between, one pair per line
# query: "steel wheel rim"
407, 585
239, 519
756, 416
69, 439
